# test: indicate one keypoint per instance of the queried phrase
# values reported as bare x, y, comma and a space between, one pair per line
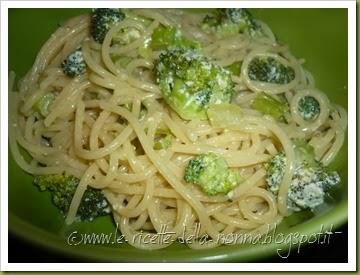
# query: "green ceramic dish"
318, 35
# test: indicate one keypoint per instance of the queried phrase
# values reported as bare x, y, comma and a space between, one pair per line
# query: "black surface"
333, 251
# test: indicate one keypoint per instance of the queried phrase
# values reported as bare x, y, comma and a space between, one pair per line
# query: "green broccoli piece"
74, 64
163, 141
145, 51
234, 68
163, 138
304, 153
227, 22
62, 189
93, 205
121, 61
308, 108
190, 83
310, 182
269, 105
164, 37
275, 171
309, 186
42, 106
268, 69
212, 174
102, 20
126, 36
225, 115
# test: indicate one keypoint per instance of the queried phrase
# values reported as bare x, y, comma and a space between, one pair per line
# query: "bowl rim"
332, 219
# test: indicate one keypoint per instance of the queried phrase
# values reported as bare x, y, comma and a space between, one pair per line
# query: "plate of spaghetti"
184, 135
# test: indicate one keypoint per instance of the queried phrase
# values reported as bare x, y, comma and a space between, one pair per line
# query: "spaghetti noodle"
89, 133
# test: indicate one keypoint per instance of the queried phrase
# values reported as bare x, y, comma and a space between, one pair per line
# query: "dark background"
336, 251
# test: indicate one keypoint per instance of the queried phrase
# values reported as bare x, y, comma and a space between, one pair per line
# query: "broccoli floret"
234, 68
74, 64
309, 186
164, 37
227, 22
269, 105
212, 174
42, 106
275, 171
190, 83
308, 108
310, 181
102, 20
268, 69
93, 204
62, 189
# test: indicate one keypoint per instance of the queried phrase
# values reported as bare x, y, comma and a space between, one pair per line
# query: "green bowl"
317, 35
